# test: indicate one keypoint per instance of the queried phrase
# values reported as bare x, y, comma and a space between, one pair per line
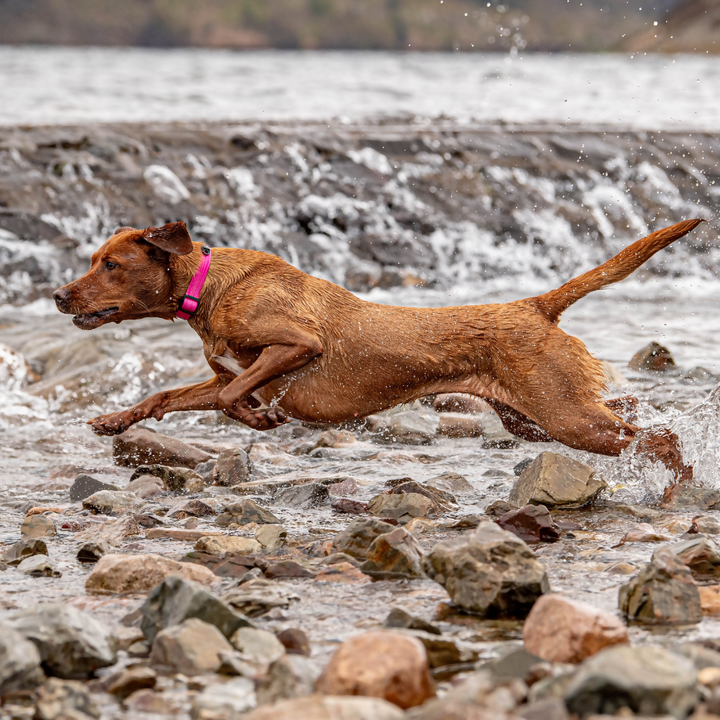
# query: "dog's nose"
61, 296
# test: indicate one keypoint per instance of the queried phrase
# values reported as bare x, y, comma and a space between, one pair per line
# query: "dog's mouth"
92, 320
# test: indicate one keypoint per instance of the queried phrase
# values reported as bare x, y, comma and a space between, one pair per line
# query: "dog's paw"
262, 419
112, 424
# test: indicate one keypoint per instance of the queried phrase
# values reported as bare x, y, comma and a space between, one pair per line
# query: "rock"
532, 523
663, 593
193, 647
111, 502
442, 499
16, 553
451, 482
409, 427
85, 485
39, 566
517, 662
568, 631
705, 524
175, 600
335, 439
140, 573
303, 497
206, 471
91, 552
287, 569
383, 664
222, 544
269, 453
71, 643
551, 708
399, 618
709, 599
290, 676
700, 554
295, 641
692, 497
351, 507
647, 680
460, 425
246, 512
257, 597
500, 508
495, 434
35, 527
556, 481
443, 651
113, 532
518, 469
328, 708
224, 701
19, 661
257, 646
643, 532
174, 479
191, 508
271, 536
343, 488
343, 572
60, 699
356, 538
146, 486
652, 358
178, 534
394, 556
140, 446
233, 467
127, 680
489, 572
401, 508
163, 704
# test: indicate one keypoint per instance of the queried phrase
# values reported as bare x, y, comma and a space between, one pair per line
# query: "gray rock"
140, 446
224, 701
409, 427
19, 661
290, 676
489, 572
245, 512
700, 554
91, 552
233, 467
175, 600
451, 482
516, 662
111, 502
271, 536
696, 498
259, 596
85, 485
547, 709
556, 481
303, 497
16, 553
39, 566
206, 471
62, 699
174, 479
257, 646
356, 538
399, 618
402, 508
394, 556
442, 499
647, 680
34, 527
146, 486
72, 644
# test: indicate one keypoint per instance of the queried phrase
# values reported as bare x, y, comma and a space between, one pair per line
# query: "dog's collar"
190, 301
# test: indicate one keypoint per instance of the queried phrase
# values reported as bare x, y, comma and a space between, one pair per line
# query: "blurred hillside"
330, 24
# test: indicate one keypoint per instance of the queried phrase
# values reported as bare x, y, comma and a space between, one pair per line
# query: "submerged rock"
233, 467
19, 661
141, 446
394, 555
532, 524
652, 358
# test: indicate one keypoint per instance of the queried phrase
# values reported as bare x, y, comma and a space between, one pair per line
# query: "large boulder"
141, 446
19, 661
488, 572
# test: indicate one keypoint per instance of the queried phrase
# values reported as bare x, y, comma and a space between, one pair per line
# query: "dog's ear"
173, 238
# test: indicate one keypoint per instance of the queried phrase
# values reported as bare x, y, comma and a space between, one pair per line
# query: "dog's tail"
553, 303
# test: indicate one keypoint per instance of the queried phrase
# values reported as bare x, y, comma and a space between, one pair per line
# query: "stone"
401, 508
303, 497
290, 676
562, 630
257, 646
19, 661
295, 641
233, 467
652, 358
16, 553
85, 485
335, 439
222, 544
287, 569
91, 552
399, 618
111, 502
384, 664
141, 446
328, 708
345, 487
551, 708
146, 486
516, 662
709, 599
124, 574
128, 680
271, 536
193, 647
351, 507
648, 680
451, 482
489, 572
59, 699
700, 554
39, 566
442, 499
113, 532
499, 508
153, 703
643, 532
556, 481
663, 593
161, 533
259, 596
356, 538
35, 527
224, 701
343, 572
444, 651
408, 427
71, 643
245, 512
532, 523
174, 479
175, 600
191, 508
691, 497
705, 524
394, 556
460, 425
206, 471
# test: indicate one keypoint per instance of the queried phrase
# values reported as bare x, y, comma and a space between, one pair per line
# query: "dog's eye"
111, 265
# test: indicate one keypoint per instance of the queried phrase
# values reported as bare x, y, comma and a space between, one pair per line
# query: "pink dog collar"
191, 299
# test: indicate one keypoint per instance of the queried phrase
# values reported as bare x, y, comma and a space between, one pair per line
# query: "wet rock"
290, 676
335, 438
643, 532
705, 525
518, 469
442, 651
245, 512
709, 599
164, 704
343, 572
71, 643
140, 446
206, 471
16, 553
500, 508
146, 486
111, 502
442, 499
85, 485
532, 523
37, 526
409, 427
39, 566
287, 569
224, 701
652, 358
19, 661
451, 482
394, 556
351, 507
460, 425
489, 572
113, 532
271, 536
233, 467
399, 618
548, 709
174, 479
568, 631
695, 498
701, 555
193, 647
259, 596
175, 600
345, 487
556, 481
191, 508
663, 593
494, 433
356, 538
257, 646
384, 664
303, 497
401, 508
60, 699
647, 680
126, 681
222, 544
517, 662
177, 534
140, 573
329, 708
295, 641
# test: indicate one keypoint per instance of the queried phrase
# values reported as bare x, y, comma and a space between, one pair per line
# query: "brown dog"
313, 351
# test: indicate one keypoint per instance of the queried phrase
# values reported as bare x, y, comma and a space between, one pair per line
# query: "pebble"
394, 556
295, 641
233, 467
140, 446
328, 708
85, 485
245, 512
222, 544
35, 527
19, 661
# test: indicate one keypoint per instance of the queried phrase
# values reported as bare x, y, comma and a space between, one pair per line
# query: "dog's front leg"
203, 396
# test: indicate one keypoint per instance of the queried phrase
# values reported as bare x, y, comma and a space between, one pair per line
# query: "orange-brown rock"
709, 599
382, 664
562, 630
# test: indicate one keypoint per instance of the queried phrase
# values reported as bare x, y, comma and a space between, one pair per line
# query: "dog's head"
129, 278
